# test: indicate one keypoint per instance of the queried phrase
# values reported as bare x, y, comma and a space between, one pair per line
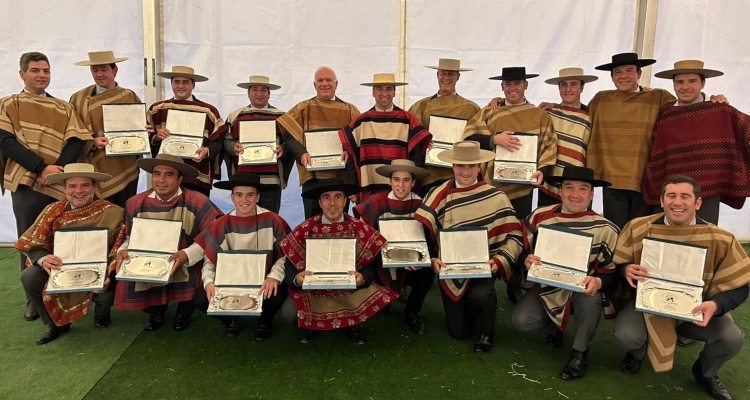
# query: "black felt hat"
330, 185
626, 59
242, 179
514, 74
581, 174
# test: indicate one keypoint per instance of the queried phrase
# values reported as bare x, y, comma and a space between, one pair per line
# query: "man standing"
324, 111
273, 177
39, 135
465, 201
167, 200
400, 202
382, 134
701, 139
726, 275
88, 105
493, 128
208, 158
548, 307
445, 103
78, 210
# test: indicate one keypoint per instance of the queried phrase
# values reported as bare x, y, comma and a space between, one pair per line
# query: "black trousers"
191, 186
121, 198
478, 303
271, 305
543, 199
522, 206
421, 282
271, 199
184, 309
621, 206
27, 205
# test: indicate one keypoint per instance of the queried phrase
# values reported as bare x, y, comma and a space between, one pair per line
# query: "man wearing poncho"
548, 307
725, 276
78, 210
466, 201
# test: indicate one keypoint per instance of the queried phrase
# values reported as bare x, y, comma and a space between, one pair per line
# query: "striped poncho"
621, 131
43, 125
727, 268
316, 114
215, 130
453, 106
88, 105
196, 212
573, 129
557, 301
375, 138
479, 205
521, 118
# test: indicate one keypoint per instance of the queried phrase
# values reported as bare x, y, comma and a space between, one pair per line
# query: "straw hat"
148, 164
403, 166
242, 179
75, 170
449, 64
571, 73
626, 59
258, 80
330, 185
384, 79
101, 58
181, 70
514, 74
466, 152
688, 67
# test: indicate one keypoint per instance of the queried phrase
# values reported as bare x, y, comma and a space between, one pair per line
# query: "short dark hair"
26, 58
675, 179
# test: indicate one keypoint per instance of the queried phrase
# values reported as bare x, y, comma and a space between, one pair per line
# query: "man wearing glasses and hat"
167, 200
466, 201
322, 310
208, 157
273, 177
380, 135
445, 103
248, 227
548, 307
400, 202
80, 209
701, 139
88, 105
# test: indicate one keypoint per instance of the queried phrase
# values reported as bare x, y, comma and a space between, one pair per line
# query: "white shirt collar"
411, 196
326, 221
386, 110
153, 195
460, 186
666, 221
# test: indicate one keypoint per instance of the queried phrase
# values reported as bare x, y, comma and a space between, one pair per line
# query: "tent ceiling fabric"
228, 40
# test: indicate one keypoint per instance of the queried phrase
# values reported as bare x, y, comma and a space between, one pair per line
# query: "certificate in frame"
83, 252
465, 252
124, 129
445, 131
407, 246
565, 255
152, 242
330, 260
258, 138
516, 166
325, 149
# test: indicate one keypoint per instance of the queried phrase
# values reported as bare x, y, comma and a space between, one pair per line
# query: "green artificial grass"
200, 363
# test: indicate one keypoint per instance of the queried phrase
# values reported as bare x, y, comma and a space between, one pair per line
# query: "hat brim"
582, 78
484, 156
247, 85
170, 75
387, 170
558, 180
640, 63
384, 84
230, 184
448, 69
62, 176
670, 73
512, 78
148, 164
86, 63
315, 193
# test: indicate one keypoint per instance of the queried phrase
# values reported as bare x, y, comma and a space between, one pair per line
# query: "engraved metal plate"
431, 158
467, 269
670, 302
181, 146
254, 154
146, 266
328, 281
127, 144
246, 302
326, 162
513, 172
558, 277
77, 279
404, 254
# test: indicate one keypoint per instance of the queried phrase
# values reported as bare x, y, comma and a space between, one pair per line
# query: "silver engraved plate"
329, 281
431, 158
181, 146
127, 143
326, 162
76, 279
669, 300
406, 255
254, 154
465, 271
556, 276
236, 302
146, 268
513, 172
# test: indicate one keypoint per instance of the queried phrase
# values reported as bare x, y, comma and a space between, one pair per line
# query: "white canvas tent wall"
229, 40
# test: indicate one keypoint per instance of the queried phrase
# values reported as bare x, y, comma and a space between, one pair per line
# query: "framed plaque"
330, 260
124, 128
258, 138
675, 282
83, 253
185, 133
152, 242
516, 166
565, 257
325, 150
407, 246
445, 131
239, 276
465, 252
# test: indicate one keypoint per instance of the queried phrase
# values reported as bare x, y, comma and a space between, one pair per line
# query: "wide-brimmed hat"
466, 152
75, 170
581, 174
181, 70
449, 64
688, 67
330, 185
403, 166
384, 79
242, 179
101, 58
258, 80
571, 73
513, 74
626, 59
148, 164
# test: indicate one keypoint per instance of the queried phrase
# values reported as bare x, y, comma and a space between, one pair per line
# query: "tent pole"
645, 34
402, 13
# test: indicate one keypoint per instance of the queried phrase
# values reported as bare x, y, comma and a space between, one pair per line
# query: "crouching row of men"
464, 201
